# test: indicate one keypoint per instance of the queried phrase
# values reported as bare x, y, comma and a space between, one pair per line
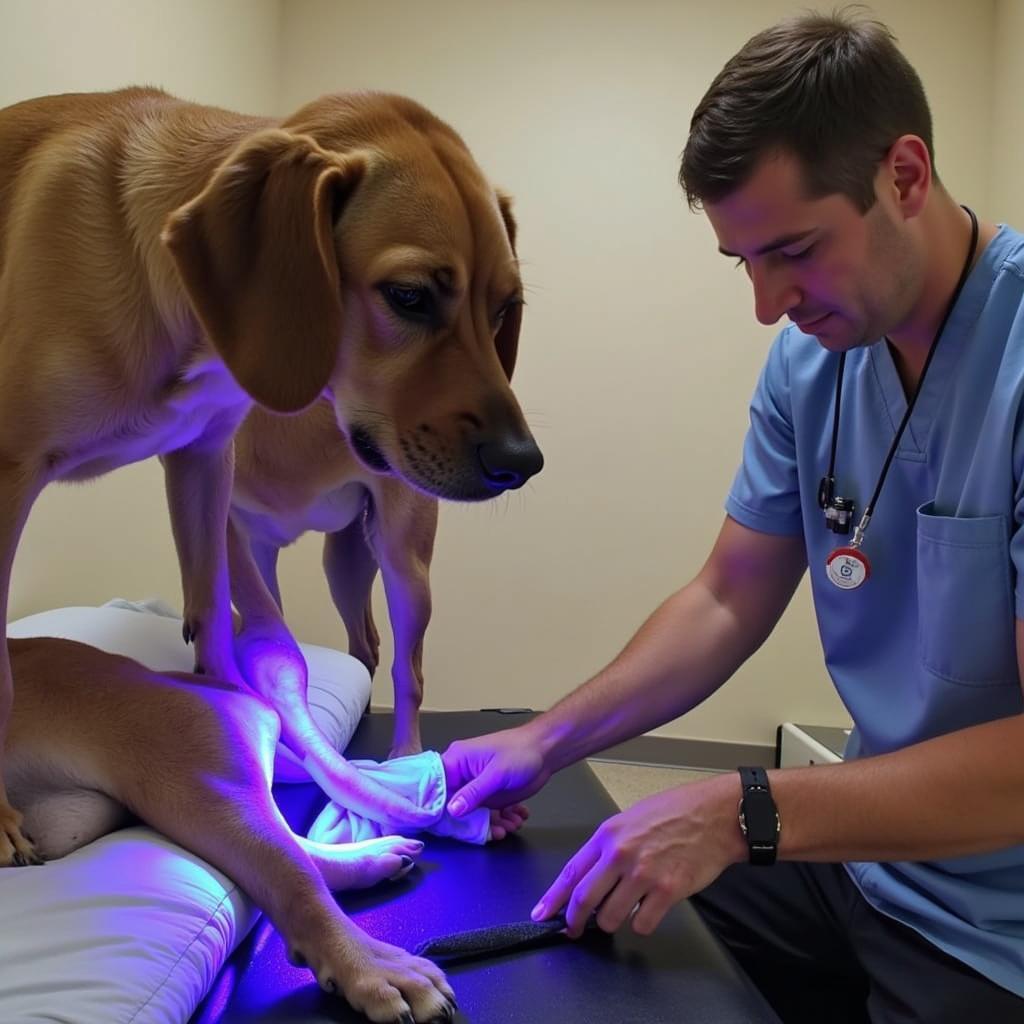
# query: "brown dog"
164, 265
300, 474
95, 737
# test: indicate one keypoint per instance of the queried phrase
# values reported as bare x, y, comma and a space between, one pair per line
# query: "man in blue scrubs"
885, 457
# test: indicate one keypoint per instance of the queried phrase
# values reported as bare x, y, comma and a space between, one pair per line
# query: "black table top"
680, 974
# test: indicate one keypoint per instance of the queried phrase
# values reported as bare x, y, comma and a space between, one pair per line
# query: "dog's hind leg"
360, 865
19, 488
221, 808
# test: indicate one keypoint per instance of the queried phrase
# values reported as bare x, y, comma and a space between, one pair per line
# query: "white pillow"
132, 928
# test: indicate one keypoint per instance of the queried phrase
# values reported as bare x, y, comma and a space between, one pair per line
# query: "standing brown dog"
164, 265
299, 473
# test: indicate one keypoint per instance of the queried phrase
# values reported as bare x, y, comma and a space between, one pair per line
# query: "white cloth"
420, 779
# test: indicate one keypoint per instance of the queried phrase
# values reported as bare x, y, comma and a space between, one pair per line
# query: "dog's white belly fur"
206, 401
329, 513
62, 811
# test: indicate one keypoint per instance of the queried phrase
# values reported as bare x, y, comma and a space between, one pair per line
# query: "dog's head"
359, 250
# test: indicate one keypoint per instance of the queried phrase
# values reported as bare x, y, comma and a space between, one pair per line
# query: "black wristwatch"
759, 817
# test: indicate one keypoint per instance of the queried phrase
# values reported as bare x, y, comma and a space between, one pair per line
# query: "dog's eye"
409, 300
499, 318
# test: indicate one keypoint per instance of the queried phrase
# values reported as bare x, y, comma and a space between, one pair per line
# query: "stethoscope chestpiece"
839, 515
838, 511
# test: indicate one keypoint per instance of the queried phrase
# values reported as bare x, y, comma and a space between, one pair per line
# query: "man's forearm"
688, 647
948, 797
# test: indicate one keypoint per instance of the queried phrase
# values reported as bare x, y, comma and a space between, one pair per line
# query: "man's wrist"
735, 850
554, 740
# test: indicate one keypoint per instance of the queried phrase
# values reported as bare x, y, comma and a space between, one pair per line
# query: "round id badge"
847, 568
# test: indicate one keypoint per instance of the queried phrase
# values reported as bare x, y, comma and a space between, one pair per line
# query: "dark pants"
821, 953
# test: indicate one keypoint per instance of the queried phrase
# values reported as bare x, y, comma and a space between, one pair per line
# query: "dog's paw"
390, 985
365, 863
16, 849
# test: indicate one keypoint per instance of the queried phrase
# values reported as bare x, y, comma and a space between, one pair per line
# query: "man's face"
845, 277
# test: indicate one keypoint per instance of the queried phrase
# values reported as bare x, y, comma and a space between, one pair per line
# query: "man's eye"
409, 300
802, 254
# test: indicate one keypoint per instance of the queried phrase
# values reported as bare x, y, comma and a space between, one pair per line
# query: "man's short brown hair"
833, 90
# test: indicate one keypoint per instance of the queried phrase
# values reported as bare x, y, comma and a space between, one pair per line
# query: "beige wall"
84, 544
639, 350
1008, 113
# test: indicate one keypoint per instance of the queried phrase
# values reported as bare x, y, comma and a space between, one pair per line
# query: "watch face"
760, 817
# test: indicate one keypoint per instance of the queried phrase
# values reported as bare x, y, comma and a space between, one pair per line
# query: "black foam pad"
478, 943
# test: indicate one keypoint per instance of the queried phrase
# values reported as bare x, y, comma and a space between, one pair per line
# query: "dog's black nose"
509, 463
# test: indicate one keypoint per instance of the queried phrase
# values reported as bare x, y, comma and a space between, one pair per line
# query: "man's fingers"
590, 894
463, 802
653, 907
563, 889
619, 905
472, 794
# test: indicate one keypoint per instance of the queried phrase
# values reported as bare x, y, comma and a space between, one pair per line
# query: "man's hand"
507, 820
640, 862
498, 770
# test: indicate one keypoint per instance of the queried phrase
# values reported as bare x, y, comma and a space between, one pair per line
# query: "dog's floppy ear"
255, 253
507, 339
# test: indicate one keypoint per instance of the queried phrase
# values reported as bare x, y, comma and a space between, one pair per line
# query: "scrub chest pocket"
965, 599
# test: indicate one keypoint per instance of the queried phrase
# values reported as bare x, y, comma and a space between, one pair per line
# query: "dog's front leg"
198, 479
273, 665
19, 488
402, 535
255, 598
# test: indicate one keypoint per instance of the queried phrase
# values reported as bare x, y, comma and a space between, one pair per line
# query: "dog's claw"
186, 632
25, 860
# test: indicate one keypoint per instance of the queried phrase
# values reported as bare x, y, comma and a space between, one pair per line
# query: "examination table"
680, 975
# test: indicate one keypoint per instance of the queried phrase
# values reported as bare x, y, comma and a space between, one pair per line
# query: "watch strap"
762, 835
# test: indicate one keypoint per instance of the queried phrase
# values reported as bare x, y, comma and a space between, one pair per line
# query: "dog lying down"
96, 738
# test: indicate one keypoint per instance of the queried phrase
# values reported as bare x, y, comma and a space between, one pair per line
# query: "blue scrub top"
927, 644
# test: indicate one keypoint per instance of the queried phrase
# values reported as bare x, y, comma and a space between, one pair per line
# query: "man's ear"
255, 254
507, 339
908, 169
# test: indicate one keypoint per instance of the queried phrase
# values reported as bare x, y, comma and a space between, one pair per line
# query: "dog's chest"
204, 402
280, 527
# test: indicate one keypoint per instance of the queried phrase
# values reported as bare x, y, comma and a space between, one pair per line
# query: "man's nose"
775, 293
